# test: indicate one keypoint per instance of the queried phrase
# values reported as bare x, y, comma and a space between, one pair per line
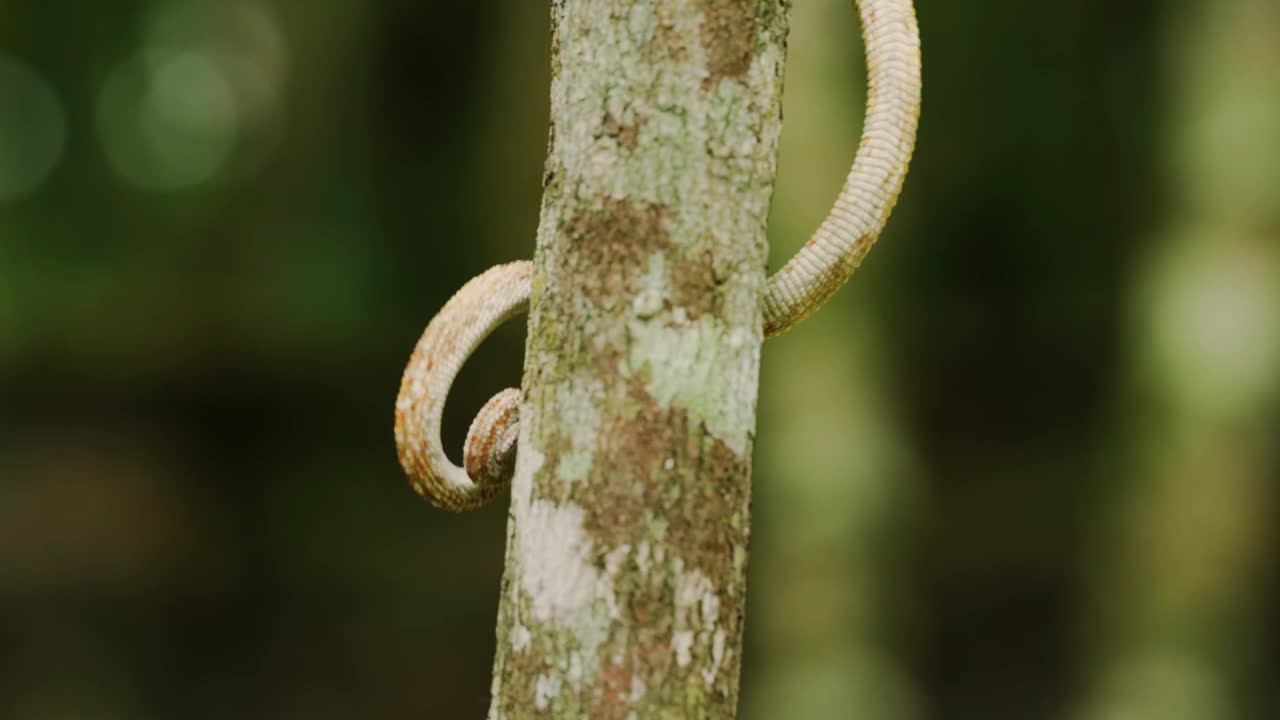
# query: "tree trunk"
627, 545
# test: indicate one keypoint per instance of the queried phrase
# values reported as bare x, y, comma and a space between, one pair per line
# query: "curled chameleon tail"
807, 280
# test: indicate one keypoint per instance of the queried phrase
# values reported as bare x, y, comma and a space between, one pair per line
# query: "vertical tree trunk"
627, 545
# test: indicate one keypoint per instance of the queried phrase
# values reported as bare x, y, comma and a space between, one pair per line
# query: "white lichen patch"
575, 465
552, 548
673, 136
546, 689
520, 638
682, 645
580, 422
614, 560
717, 656
642, 21
683, 369
556, 571
697, 622
690, 586
642, 558
613, 563
637, 688
563, 589
710, 606
652, 288
529, 460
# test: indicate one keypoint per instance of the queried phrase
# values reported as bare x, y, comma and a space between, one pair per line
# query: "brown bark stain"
629, 482
667, 40
729, 37
615, 241
694, 284
612, 244
627, 135
520, 677
652, 468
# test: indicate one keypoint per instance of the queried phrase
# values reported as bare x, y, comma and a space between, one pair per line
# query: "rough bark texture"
627, 544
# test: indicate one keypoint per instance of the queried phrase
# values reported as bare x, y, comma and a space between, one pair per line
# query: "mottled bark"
627, 544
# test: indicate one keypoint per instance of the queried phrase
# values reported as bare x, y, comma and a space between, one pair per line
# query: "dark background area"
1023, 467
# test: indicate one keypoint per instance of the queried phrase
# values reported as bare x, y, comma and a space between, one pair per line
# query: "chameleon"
892, 44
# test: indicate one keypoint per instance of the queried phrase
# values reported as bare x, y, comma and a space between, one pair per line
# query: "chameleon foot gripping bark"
808, 279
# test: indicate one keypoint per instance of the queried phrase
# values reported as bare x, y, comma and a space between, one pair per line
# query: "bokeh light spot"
246, 42
167, 120
222, 28
1216, 321
33, 130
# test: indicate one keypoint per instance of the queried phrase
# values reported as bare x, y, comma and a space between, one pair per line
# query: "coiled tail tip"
490, 452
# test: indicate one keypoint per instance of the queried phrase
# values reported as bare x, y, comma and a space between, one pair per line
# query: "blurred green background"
1025, 466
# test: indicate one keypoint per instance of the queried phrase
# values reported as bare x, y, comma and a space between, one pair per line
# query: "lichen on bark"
627, 545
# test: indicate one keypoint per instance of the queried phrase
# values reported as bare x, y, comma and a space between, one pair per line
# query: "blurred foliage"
1024, 466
